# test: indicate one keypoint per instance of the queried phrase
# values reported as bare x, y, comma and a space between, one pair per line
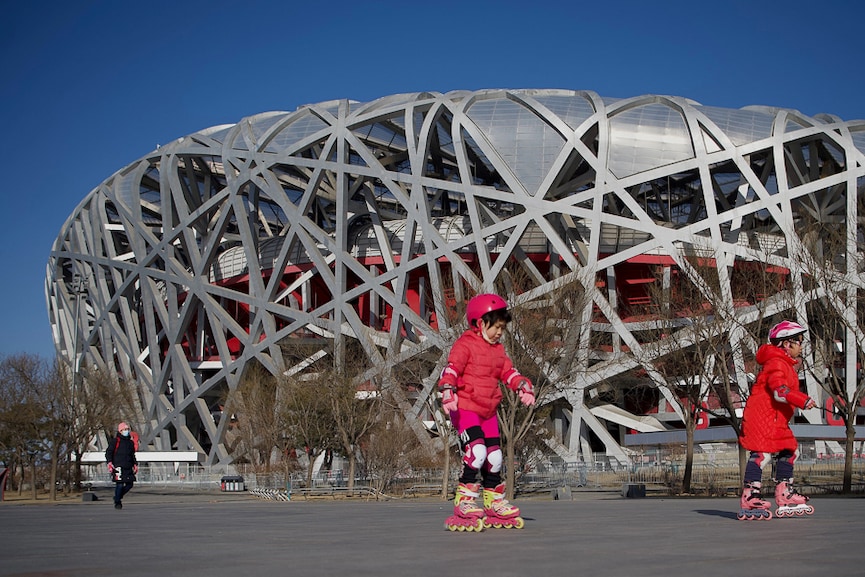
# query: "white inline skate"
790, 502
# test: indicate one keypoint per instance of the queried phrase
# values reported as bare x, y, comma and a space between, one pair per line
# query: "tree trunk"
311, 459
286, 480
689, 455
76, 463
352, 463
446, 468
33, 480
510, 474
850, 422
55, 457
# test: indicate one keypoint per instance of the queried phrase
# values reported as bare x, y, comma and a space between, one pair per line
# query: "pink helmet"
122, 425
785, 330
481, 305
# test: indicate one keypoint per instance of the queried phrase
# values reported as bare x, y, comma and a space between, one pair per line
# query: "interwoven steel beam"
345, 228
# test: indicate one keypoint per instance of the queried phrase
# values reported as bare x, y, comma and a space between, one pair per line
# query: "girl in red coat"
469, 385
765, 424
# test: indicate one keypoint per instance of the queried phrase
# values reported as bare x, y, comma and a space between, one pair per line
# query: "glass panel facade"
741, 126
526, 143
646, 137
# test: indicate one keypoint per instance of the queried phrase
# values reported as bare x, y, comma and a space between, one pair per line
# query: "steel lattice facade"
347, 228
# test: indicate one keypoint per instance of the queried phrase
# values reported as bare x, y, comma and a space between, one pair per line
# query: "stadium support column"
79, 289
341, 234
375, 320
613, 296
666, 277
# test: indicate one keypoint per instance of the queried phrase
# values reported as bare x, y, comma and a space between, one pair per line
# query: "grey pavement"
231, 534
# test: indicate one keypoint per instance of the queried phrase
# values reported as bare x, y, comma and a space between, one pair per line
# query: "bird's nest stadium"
355, 231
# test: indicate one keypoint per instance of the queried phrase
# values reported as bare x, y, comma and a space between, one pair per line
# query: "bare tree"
355, 407
258, 417
543, 342
449, 444
51, 416
51, 421
423, 372
390, 448
23, 413
308, 418
684, 375
97, 400
691, 357
830, 255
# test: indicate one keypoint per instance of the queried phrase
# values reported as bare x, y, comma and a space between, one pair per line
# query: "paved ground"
234, 534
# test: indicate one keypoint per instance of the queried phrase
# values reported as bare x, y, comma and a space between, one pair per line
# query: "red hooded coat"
773, 399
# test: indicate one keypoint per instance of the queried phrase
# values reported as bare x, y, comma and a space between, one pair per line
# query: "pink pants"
464, 420
481, 447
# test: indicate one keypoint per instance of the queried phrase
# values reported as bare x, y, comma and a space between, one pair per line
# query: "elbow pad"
514, 380
448, 378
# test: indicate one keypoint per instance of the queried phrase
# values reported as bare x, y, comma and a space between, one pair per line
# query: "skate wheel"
519, 523
754, 515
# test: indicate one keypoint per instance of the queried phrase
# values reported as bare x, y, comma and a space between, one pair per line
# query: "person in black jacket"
122, 464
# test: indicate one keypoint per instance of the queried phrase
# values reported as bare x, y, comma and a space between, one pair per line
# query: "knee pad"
494, 458
760, 459
754, 467
475, 454
474, 449
787, 456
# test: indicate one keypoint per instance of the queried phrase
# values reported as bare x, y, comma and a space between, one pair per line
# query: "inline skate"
467, 515
790, 502
752, 506
499, 512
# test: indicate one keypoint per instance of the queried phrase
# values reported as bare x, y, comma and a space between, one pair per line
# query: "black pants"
121, 489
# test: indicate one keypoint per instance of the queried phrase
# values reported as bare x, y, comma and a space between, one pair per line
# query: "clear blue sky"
91, 86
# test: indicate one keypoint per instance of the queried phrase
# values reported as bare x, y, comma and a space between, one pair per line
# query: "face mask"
124, 433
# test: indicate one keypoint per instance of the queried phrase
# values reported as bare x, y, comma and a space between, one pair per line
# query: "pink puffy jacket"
774, 397
475, 368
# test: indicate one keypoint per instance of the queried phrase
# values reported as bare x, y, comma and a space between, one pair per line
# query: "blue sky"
91, 86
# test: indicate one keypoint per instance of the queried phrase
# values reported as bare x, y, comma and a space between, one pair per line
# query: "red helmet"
481, 305
785, 330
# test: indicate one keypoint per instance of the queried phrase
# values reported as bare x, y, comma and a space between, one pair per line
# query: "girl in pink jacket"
765, 425
469, 386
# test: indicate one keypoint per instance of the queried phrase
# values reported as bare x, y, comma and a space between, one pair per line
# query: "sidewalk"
234, 534
139, 494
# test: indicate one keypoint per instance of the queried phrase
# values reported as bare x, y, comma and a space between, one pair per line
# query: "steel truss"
348, 230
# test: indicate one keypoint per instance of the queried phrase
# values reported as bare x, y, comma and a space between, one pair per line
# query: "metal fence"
706, 479
161, 475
